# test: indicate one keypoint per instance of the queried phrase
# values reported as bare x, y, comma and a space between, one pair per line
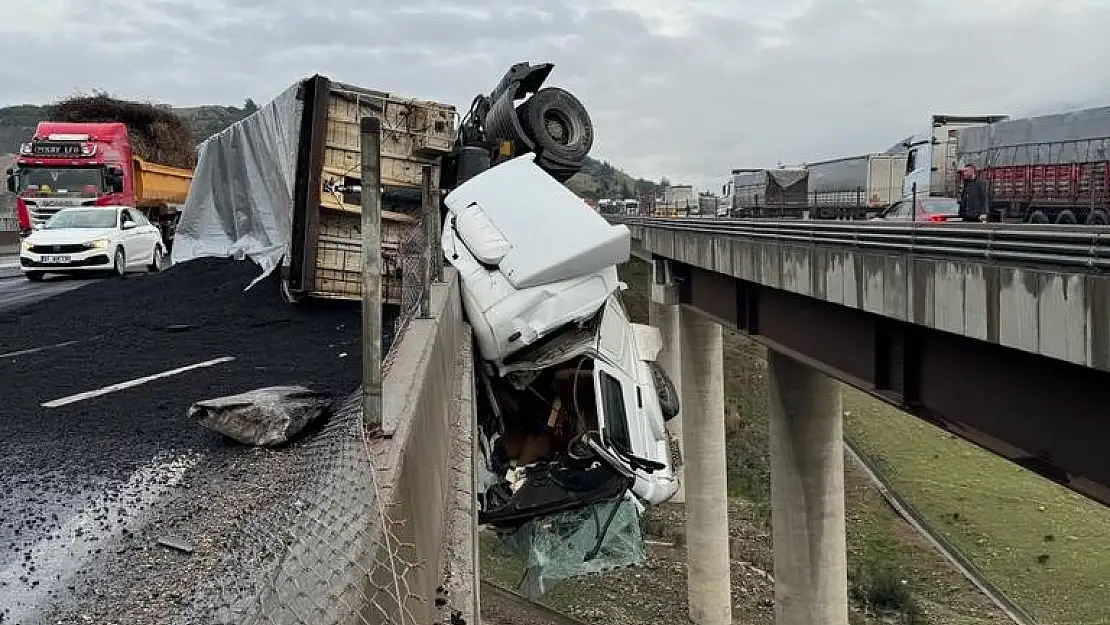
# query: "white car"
572, 405
93, 238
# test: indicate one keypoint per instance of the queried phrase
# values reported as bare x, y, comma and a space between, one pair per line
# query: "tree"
249, 106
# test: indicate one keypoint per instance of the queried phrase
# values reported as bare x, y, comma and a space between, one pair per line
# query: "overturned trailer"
282, 186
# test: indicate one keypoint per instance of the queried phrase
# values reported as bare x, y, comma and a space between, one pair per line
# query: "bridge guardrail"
1067, 246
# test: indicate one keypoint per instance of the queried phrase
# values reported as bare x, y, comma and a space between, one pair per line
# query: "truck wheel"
664, 388
558, 123
119, 263
1038, 217
1066, 217
1098, 217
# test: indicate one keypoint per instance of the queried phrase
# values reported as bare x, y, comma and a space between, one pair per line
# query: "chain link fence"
330, 551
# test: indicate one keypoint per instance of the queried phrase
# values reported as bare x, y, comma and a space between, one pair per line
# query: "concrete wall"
425, 460
1053, 313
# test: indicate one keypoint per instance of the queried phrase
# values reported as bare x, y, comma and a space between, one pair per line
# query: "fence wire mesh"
324, 550
329, 551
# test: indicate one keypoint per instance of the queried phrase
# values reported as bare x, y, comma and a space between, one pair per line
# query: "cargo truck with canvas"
68, 164
1045, 169
855, 187
767, 192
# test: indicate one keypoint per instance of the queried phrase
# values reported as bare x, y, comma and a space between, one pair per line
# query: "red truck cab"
71, 164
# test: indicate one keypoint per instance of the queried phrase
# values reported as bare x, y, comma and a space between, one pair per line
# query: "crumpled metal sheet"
240, 202
266, 416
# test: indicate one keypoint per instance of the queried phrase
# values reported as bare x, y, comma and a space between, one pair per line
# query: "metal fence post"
429, 210
370, 128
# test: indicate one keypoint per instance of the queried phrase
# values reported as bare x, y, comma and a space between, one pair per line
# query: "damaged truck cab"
572, 405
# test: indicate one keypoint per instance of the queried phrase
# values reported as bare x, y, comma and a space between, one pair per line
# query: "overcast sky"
686, 89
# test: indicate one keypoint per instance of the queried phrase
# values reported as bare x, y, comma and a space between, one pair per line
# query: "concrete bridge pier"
807, 495
663, 313
708, 580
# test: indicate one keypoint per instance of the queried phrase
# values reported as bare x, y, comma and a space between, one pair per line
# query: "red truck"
92, 164
1046, 169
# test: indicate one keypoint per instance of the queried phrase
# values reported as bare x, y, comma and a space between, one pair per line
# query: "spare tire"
558, 124
665, 390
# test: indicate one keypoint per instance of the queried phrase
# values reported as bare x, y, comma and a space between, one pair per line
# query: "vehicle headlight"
97, 244
26, 245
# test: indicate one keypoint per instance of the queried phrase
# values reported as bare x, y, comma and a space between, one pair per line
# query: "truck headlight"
26, 245
97, 244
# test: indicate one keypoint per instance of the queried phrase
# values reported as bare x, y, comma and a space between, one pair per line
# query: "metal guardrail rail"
1086, 247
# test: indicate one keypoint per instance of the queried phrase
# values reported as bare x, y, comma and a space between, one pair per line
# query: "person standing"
973, 196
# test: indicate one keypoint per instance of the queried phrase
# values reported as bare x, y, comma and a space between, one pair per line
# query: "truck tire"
558, 124
1098, 217
1066, 217
1038, 217
665, 390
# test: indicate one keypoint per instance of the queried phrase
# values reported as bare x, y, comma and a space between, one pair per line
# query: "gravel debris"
92, 485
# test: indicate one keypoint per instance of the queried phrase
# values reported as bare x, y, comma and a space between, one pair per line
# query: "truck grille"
70, 248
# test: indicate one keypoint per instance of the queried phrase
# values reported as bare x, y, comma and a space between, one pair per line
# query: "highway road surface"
98, 460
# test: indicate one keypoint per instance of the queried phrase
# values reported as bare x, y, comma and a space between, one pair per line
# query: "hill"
598, 179
18, 122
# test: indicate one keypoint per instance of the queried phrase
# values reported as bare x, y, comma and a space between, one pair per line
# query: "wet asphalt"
92, 481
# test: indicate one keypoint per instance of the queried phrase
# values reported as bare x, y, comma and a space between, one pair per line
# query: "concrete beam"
663, 313
1056, 313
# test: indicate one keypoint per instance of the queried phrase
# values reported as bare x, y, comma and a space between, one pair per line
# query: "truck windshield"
81, 218
72, 181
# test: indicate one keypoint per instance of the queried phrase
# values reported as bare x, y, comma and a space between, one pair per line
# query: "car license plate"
55, 259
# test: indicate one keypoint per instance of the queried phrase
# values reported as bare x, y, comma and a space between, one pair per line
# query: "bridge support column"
703, 403
807, 495
663, 313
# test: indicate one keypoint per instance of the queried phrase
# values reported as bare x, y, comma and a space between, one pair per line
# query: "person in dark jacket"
973, 196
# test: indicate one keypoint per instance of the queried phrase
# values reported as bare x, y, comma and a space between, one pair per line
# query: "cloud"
683, 89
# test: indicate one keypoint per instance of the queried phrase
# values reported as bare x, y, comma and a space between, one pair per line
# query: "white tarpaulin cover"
240, 203
1066, 138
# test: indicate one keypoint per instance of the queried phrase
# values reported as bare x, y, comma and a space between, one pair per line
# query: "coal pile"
124, 329
94, 454
157, 134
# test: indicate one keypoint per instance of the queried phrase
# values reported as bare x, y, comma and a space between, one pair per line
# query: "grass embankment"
988, 508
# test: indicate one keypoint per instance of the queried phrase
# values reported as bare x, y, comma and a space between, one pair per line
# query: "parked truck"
767, 192
1045, 169
92, 164
931, 167
855, 187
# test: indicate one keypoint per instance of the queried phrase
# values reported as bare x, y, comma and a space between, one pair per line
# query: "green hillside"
598, 179
18, 122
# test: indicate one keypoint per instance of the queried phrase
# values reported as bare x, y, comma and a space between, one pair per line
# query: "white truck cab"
931, 156
568, 384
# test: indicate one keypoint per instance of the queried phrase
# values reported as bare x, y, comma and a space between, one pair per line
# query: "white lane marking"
82, 535
131, 383
24, 352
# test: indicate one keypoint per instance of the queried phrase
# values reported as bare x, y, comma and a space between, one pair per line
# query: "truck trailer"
767, 192
300, 158
1045, 169
92, 164
855, 187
